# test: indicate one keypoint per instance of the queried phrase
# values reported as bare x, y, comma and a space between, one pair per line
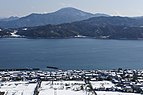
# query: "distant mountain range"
71, 22
64, 15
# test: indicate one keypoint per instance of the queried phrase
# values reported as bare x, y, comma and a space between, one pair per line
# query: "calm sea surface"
71, 53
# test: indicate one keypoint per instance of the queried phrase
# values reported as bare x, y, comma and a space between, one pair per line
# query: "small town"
72, 82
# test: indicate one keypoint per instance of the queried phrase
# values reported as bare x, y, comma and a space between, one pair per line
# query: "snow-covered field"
60, 92
56, 88
114, 93
59, 88
101, 84
107, 84
17, 88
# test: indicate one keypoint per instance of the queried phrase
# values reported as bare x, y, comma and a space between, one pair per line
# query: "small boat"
51, 67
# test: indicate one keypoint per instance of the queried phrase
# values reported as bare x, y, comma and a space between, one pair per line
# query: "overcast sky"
112, 7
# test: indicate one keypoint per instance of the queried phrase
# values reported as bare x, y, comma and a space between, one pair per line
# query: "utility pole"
90, 86
55, 91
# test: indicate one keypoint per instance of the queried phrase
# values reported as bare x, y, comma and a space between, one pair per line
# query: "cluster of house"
119, 80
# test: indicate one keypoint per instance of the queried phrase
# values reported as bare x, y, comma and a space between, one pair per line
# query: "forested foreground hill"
5, 32
97, 27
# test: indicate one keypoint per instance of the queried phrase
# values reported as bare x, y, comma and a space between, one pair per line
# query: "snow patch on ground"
14, 34
18, 88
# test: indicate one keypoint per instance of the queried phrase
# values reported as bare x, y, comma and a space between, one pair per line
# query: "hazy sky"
112, 7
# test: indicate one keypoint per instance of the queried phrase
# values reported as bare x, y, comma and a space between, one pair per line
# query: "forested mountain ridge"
97, 27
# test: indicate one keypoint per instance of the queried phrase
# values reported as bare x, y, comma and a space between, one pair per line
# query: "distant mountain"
64, 15
1, 18
101, 14
96, 27
9, 19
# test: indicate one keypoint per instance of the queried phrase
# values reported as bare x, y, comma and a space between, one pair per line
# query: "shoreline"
138, 39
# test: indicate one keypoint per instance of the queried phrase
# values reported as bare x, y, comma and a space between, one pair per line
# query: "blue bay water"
71, 53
